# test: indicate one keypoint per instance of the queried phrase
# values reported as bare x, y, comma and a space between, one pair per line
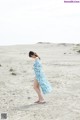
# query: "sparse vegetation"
0, 65
78, 51
11, 70
13, 73
29, 97
43, 43
78, 44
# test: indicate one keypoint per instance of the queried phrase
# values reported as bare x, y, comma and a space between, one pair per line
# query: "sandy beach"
61, 64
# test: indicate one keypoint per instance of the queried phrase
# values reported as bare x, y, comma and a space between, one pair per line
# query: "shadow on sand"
26, 107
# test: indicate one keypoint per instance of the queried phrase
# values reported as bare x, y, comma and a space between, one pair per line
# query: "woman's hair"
33, 53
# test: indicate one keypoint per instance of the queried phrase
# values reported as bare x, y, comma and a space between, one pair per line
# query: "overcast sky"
31, 21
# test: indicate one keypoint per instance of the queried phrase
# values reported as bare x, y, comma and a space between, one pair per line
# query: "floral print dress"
40, 77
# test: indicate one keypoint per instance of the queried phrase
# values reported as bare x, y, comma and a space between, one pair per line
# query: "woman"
40, 79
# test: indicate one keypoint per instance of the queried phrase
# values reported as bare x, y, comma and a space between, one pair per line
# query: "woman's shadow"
25, 107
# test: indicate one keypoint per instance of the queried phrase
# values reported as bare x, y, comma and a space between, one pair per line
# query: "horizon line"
71, 1
37, 43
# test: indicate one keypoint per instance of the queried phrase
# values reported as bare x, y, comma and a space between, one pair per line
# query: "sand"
61, 64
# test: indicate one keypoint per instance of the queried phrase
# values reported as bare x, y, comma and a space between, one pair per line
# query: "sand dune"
61, 63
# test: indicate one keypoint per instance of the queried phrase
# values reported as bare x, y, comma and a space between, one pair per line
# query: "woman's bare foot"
36, 101
41, 102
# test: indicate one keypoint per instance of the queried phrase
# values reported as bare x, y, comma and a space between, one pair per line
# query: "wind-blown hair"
33, 53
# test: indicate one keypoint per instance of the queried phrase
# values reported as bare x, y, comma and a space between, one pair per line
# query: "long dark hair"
33, 53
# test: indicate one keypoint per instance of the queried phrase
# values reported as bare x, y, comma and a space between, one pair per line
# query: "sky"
32, 21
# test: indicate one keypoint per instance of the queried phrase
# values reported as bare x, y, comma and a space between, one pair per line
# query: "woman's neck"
36, 58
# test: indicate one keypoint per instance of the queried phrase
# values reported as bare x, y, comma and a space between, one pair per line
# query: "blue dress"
40, 76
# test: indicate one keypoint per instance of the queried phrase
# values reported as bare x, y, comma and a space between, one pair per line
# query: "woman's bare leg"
37, 89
